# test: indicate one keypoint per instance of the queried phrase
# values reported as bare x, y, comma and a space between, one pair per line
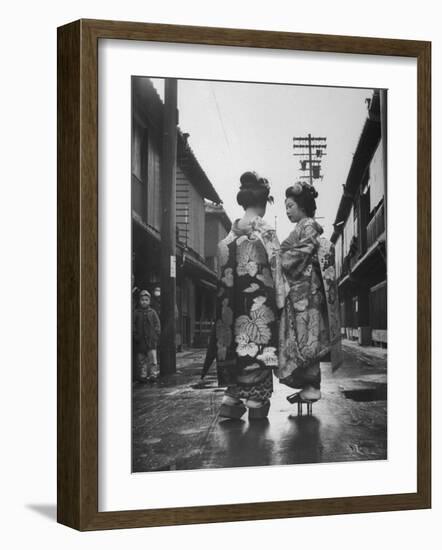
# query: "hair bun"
300, 187
310, 190
254, 190
251, 180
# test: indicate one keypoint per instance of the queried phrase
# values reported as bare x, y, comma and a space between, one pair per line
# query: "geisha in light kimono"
246, 323
309, 328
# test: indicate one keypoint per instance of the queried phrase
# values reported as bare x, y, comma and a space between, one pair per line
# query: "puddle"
190, 431
203, 386
378, 393
152, 440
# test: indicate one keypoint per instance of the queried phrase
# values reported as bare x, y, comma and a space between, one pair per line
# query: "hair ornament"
297, 188
305, 187
252, 179
264, 182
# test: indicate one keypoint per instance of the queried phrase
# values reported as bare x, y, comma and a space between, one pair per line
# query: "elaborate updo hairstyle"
254, 191
304, 195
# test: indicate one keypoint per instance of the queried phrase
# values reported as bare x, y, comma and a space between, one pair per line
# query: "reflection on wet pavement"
176, 424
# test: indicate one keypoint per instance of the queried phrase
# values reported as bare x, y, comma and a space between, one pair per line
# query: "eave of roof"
151, 108
192, 168
368, 141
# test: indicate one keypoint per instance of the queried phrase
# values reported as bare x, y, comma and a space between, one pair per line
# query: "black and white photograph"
259, 274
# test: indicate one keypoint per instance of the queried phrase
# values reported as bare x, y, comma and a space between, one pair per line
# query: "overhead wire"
232, 157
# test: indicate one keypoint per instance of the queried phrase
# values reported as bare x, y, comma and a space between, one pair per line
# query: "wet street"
176, 424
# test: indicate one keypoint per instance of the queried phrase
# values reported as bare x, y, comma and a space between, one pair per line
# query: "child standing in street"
146, 333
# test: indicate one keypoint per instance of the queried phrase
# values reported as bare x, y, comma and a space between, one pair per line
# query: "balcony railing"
376, 226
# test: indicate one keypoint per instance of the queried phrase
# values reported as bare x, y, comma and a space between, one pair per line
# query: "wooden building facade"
360, 231
195, 277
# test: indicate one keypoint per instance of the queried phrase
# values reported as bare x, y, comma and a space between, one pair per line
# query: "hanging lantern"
316, 171
303, 165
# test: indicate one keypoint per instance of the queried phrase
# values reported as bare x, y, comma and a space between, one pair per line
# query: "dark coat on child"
147, 329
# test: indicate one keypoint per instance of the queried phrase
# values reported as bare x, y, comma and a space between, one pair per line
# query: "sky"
235, 127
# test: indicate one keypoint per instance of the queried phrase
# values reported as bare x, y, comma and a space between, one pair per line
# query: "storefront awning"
198, 267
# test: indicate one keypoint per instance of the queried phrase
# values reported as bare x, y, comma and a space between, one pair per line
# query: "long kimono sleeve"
272, 246
298, 248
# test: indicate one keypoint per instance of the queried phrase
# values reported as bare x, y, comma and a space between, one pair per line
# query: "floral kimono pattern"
246, 323
310, 325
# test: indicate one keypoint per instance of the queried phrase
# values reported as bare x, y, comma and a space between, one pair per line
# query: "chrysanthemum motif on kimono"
269, 357
256, 326
249, 268
242, 339
249, 255
250, 349
258, 302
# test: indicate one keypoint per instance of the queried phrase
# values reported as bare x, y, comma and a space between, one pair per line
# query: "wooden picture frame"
77, 224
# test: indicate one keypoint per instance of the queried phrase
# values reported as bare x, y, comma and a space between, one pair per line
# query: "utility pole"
168, 230
312, 149
310, 158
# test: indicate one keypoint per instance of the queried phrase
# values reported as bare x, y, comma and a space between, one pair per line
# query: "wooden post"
168, 227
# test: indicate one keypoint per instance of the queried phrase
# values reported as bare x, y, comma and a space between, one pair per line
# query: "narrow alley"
176, 424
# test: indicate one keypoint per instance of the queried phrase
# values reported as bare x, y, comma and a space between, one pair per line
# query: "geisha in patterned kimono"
309, 327
248, 298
